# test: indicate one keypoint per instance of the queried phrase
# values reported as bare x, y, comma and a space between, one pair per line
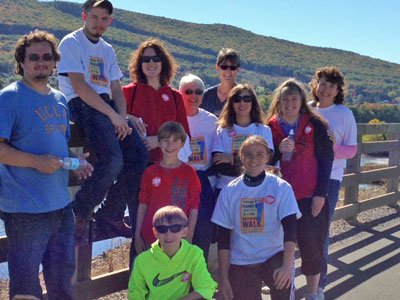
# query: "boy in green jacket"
171, 266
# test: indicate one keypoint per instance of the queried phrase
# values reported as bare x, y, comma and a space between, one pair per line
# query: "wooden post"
394, 155
353, 166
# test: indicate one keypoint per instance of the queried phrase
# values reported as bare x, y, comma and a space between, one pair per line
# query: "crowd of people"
194, 166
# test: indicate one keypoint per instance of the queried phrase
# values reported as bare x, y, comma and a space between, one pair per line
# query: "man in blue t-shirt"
34, 198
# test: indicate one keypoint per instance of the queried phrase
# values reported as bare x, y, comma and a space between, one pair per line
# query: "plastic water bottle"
144, 134
287, 156
73, 163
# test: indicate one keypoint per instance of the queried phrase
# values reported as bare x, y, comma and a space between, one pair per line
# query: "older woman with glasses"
150, 100
202, 126
228, 66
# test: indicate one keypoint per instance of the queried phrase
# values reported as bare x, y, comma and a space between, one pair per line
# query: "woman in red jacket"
306, 162
150, 100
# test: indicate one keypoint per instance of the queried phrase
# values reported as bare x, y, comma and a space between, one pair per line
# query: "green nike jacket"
155, 276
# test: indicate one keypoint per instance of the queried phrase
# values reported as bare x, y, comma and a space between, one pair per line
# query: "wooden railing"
87, 287
354, 176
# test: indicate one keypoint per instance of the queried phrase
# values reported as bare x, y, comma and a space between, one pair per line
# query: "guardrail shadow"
377, 252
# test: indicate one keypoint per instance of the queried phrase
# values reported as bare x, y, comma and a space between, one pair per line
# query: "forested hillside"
266, 60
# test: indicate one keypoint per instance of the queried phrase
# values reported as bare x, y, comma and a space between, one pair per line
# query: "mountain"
266, 61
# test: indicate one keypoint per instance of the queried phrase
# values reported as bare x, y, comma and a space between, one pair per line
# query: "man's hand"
282, 277
85, 171
47, 163
139, 125
316, 205
121, 126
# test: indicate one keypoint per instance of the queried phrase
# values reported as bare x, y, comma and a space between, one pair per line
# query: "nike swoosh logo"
160, 282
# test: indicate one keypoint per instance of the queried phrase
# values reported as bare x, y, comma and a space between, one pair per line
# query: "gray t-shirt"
211, 101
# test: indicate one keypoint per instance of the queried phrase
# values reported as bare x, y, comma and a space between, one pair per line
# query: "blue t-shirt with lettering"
37, 124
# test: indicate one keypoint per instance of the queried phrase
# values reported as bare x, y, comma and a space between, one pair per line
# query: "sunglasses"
36, 57
155, 58
239, 99
173, 228
232, 68
198, 92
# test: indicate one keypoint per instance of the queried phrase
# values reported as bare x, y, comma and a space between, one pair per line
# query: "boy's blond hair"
171, 128
171, 215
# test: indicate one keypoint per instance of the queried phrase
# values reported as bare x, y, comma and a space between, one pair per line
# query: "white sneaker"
321, 295
311, 296
265, 290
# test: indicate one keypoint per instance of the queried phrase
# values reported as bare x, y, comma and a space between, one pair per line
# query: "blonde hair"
252, 140
290, 87
170, 214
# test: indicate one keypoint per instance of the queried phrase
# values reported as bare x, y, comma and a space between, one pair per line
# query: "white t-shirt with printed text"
229, 140
202, 129
97, 61
254, 214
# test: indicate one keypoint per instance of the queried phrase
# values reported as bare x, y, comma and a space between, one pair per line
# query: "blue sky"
370, 27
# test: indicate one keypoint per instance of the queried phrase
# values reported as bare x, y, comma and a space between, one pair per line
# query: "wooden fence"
87, 287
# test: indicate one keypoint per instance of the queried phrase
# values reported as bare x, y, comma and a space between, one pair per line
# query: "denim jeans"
332, 199
44, 238
118, 167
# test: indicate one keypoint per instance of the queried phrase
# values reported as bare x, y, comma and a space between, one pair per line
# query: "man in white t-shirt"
88, 74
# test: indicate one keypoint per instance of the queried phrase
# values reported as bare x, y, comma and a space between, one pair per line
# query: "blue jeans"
118, 167
332, 199
46, 238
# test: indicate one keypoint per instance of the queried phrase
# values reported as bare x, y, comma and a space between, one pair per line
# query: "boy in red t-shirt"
169, 182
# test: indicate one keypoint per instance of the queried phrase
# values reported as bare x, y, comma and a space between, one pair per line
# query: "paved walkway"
364, 263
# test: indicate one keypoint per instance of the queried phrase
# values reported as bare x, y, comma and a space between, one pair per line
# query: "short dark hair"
36, 36
168, 65
89, 4
171, 128
228, 54
332, 75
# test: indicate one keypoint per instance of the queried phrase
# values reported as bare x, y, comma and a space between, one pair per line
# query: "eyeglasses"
36, 57
198, 92
239, 99
155, 58
173, 228
232, 68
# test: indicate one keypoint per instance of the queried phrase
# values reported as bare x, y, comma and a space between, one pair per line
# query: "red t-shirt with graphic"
163, 186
